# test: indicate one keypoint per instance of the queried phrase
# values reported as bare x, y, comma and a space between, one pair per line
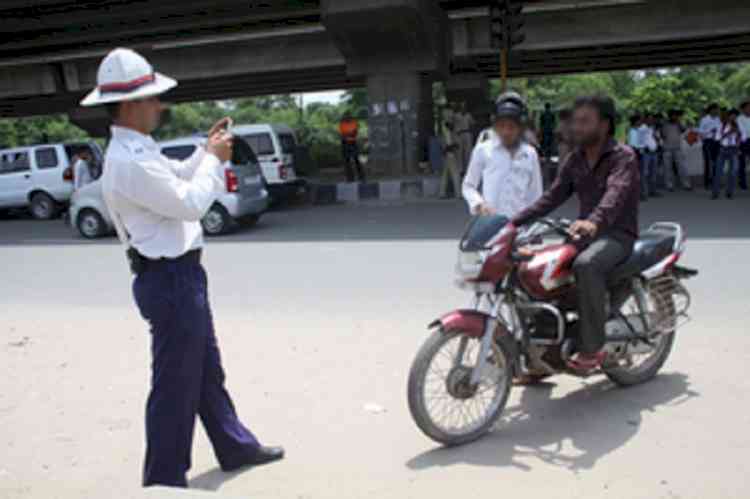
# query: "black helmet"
511, 105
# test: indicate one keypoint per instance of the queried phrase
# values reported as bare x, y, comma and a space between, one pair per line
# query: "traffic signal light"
506, 23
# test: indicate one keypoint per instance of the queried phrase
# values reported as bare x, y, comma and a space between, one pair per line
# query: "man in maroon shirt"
604, 174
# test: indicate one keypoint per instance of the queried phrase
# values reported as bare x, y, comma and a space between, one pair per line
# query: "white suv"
275, 147
40, 177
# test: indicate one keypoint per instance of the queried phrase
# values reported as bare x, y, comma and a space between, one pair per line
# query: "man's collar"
124, 133
610, 145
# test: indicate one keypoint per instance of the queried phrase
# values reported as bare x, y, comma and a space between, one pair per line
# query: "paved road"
319, 312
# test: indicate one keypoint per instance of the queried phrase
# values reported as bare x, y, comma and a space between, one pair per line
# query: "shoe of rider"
584, 362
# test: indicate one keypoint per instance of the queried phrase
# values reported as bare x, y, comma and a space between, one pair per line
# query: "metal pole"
504, 69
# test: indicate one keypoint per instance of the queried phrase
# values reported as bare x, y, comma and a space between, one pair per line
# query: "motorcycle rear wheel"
629, 375
442, 402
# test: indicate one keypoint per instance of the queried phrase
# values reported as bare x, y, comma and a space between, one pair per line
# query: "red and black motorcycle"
524, 321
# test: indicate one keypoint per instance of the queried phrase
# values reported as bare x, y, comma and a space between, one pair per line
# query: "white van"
274, 145
40, 177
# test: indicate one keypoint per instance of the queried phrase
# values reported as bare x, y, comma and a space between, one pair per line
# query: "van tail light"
68, 174
283, 173
232, 181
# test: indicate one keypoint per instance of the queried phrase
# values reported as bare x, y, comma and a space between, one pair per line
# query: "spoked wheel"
442, 400
643, 361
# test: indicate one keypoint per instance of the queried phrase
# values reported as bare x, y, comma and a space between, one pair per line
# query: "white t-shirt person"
81, 174
506, 181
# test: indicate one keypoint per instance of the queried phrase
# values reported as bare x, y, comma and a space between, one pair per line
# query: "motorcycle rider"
506, 167
605, 176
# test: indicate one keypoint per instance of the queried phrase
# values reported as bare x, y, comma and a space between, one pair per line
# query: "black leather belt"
140, 263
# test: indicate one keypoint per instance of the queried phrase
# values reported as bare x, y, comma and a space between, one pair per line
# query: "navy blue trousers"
187, 377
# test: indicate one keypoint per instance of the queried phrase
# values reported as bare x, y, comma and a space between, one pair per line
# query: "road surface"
319, 312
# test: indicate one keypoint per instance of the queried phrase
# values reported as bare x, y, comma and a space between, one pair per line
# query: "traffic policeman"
156, 205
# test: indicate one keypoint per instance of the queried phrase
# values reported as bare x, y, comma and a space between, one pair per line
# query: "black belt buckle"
136, 261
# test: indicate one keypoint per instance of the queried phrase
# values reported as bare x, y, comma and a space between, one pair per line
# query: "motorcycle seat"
652, 246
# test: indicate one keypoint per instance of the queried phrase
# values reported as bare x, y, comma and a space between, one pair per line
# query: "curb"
384, 190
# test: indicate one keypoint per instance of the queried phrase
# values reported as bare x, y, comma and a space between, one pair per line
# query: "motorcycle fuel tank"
549, 274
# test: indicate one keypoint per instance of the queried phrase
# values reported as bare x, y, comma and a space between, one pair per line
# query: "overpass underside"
230, 48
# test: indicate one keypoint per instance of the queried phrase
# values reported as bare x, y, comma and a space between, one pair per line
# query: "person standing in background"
547, 127
649, 148
463, 127
634, 136
672, 133
349, 131
744, 123
451, 162
82, 170
710, 127
730, 139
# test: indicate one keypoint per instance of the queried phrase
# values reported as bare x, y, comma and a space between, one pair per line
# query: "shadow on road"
212, 480
572, 432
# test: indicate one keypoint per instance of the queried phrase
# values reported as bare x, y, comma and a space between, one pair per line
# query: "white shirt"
634, 138
730, 138
509, 183
81, 174
744, 122
647, 139
159, 201
709, 127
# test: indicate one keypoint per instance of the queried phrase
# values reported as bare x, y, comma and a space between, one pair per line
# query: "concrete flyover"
397, 48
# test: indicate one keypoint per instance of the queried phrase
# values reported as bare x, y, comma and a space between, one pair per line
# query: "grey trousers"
591, 267
676, 157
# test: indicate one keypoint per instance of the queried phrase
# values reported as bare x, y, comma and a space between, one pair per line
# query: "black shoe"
714, 196
264, 455
657, 195
730, 196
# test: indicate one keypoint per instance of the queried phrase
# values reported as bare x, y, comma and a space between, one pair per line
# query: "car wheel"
43, 207
90, 224
217, 221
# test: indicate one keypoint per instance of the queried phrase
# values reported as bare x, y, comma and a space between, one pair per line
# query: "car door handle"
28, 175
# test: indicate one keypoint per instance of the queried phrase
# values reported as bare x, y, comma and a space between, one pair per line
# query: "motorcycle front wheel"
442, 400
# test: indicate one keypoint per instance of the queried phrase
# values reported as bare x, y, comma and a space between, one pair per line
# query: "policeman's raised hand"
223, 124
220, 145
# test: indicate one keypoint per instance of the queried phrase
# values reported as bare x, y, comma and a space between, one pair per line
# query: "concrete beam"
28, 81
611, 24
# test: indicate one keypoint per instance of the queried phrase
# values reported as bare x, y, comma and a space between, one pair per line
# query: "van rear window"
178, 152
287, 143
261, 143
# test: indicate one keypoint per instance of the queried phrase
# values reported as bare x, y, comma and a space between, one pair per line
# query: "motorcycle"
524, 321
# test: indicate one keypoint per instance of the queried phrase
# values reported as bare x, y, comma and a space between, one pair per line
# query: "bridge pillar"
400, 47
472, 89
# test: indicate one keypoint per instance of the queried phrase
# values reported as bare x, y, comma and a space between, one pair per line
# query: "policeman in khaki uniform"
156, 205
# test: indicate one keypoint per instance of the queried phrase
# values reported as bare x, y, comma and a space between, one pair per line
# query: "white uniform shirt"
634, 139
81, 174
159, 201
709, 127
647, 138
730, 137
509, 183
744, 122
